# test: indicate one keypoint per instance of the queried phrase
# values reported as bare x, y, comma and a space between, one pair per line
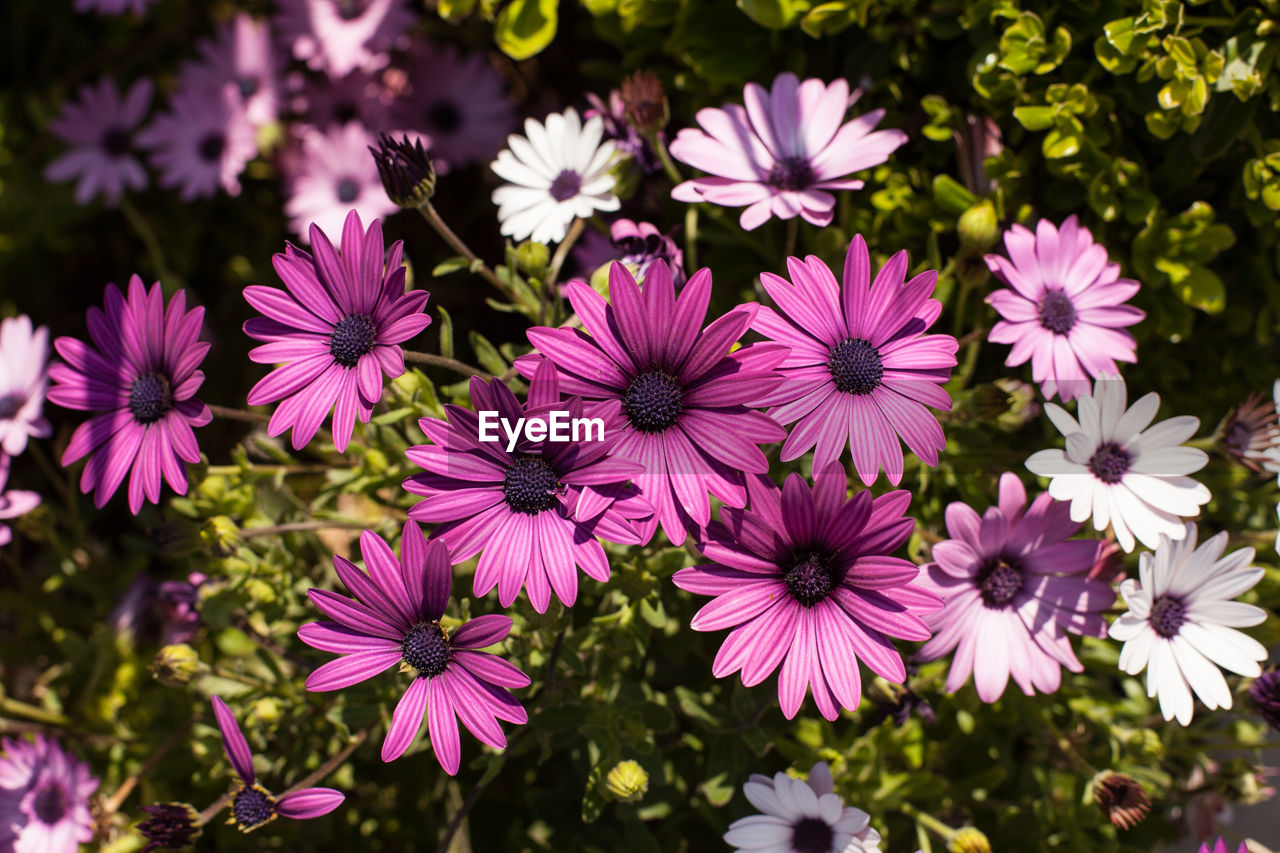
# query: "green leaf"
774, 14
593, 798
452, 10
952, 195
487, 354
1202, 288
457, 262
525, 27
827, 19
1058, 145
446, 332
1035, 118
393, 416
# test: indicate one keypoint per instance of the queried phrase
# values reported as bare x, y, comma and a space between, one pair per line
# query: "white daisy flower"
1182, 621
1120, 469
801, 817
556, 172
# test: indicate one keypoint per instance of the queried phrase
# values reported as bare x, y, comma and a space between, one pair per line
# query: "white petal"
1205, 678
1063, 421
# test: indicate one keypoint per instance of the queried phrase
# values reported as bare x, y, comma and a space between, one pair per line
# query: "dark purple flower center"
566, 185
10, 404
352, 338
653, 401
811, 835
531, 485
1167, 616
1056, 312
855, 366
150, 398
345, 111
809, 578
50, 804
444, 116
791, 173
248, 85
999, 582
426, 649
252, 807
347, 190
115, 141
212, 146
1110, 462
172, 826
349, 10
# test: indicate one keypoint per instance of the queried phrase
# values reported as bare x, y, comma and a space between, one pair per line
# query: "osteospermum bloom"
860, 371
805, 579
1065, 310
1181, 624
535, 509
361, 97
336, 327
1120, 468
332, 176
1013, 586
99, 127
1221, 847
203, 143
341, 36
242, 54
142, 374
396, 619
555, 173
48, 792
252, 805
113, 7
24, 379
683, 393
13, 503
801, 816
780, 153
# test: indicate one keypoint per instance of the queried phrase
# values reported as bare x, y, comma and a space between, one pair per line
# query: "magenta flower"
142, 374
13, 503
252, 805
341, 36
336, 328
860, 370
203, 143
1065, 311
113, 7
44, 797
805, 580
779, 153
24, 379
361, 97
1014, 586
99, 128
535, 509
397, 619
683, 393
241, 54
1221, 847
333, 176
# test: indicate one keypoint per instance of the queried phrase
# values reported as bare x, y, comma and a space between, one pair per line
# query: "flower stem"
664, 157
238, 414
32, 712
443, 361
928, 821
113, 803
793, 234
428, 211
562, 253
691, 239
230, 470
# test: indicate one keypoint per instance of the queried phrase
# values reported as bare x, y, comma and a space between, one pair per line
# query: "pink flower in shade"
684, 394
142, 373
1065, 311
203, 143
360, 97
113, 7
782, 151
99, 127
13, 503
47, 792
1014, 586
252, 805
24, 379
333, 176
341, 36
805, 579
242, 53
336, 329
396, 619
1221, 847
536, 509
860, 371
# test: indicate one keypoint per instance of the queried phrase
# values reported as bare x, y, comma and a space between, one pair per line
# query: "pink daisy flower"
333, 176
780, 153
1221, 847
860, 371
336, 328
1065, 311
396, 619
805, 579
535, 509
49, 790
24, 378
341, 36
142, 374
99, 127
203, 143
242, 54
1014, 586
113, 7
683, 390
360, 97
13, 503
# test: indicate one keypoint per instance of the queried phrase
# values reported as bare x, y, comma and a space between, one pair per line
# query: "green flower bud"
627, 782
176, 665
532, 258
969, 840
219, 535
978, 226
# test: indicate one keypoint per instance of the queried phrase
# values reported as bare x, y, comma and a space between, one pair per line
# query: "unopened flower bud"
172, 826
532, 258
175, 665
407, 173
978, 226
644, 102
970, 839
1121, 799
1265, 695
219, 535
627, 782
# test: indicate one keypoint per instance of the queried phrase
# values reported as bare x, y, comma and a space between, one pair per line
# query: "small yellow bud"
176, 665
627, 782
969, 840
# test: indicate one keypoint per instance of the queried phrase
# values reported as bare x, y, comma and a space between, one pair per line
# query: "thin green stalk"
32, 712
443, 361
928, 821
429, 213
169, 282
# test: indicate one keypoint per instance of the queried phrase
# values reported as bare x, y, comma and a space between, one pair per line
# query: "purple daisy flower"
683, 390
397, 619
805, 579
860, 370
204, 142
1014, 585
242, 54
252, 805
142, 374
337, 330
1065, 311
99, 127
13, 503
113, 7
44, 797
636, 245
361, 97
24, 380
779, 153
341, 36
334, 175
535, 509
